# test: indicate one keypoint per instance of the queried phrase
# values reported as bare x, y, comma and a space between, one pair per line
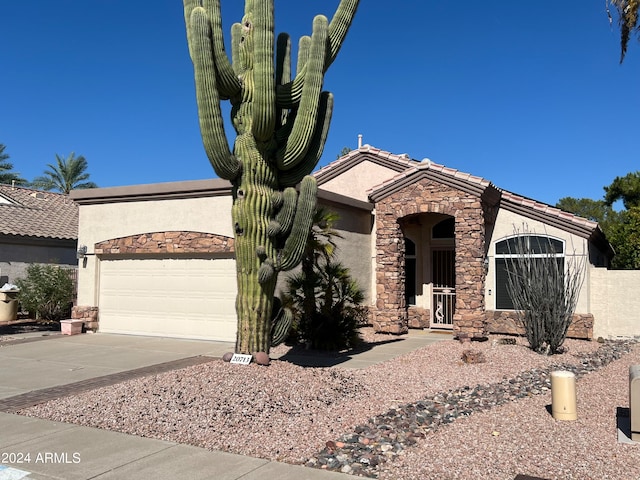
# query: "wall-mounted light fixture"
486, 264
82, 251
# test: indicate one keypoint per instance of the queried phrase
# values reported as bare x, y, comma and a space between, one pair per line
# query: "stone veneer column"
88, 314
426, 196
469, 320
390, 315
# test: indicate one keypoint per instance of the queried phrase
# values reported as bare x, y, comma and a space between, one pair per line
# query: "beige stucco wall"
575, 246
353, 250
113, 220
615, 302
360, 178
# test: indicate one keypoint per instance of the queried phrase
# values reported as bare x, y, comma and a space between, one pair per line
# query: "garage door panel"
180, 297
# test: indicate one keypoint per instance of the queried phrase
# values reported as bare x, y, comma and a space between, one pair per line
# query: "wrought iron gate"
444, 291
444, 306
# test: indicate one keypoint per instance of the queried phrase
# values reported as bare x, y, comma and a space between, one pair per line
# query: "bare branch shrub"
544, 285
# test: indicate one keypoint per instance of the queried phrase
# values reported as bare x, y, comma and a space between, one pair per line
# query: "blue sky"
529, 95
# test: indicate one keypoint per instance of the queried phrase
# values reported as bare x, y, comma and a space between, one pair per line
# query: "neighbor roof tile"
33, 213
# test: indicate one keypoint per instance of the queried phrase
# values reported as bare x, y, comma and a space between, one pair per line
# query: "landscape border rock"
384, 437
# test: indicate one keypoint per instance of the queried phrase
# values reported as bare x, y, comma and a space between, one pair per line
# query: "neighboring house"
428, 244
35, 227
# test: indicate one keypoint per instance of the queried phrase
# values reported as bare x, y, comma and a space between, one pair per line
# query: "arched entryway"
419, 206
429, 242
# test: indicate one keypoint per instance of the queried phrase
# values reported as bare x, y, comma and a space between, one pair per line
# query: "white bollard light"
563, 395
634, 401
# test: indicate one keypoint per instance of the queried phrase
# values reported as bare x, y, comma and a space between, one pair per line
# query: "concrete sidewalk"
40, 449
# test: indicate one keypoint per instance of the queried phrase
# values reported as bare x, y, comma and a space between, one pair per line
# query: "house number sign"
241, 359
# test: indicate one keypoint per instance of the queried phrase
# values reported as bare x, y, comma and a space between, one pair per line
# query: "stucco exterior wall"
99, 222
575, 246
358, 180
354, 249
615, 302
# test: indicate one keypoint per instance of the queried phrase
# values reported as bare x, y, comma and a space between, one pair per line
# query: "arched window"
507, 253
410, 270
444, 229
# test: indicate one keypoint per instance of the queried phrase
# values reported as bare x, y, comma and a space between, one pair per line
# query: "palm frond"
627, 11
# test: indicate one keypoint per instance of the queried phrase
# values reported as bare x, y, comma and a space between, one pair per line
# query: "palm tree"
320, 245
627, 19
6, 175
69, 174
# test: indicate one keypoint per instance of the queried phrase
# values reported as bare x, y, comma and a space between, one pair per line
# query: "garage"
169, 296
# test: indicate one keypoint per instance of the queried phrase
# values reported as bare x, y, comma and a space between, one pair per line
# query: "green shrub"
46, 292
334, 322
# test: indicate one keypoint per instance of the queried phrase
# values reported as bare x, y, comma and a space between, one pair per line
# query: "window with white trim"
508, 250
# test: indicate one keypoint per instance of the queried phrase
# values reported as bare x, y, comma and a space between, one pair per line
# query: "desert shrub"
46, 292
544, 288
337, 314
324, 299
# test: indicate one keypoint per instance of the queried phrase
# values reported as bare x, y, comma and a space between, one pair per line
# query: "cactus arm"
304, 45
236, 36
297, 144
290, 93
208, 99
228, 84
339, 27
293, 176
264, 112
283, 221
293, 250
189, 5
266, 272
283, 59
280, 324
283, 69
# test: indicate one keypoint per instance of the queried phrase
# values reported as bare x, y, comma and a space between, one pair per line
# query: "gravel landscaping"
424, 415
13, 330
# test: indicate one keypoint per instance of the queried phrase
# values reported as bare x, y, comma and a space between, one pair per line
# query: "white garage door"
174, 297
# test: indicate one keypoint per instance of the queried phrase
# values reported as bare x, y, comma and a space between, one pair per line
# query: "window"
444, 229
410, 271
534, 246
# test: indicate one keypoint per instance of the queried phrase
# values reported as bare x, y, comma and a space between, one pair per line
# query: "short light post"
563, 395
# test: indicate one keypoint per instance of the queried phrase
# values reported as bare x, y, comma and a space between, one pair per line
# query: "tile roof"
33, 213
543, 208
366, 152
416, 169
426, 165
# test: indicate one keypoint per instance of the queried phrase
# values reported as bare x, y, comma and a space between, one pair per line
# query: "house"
428, 243
35, 227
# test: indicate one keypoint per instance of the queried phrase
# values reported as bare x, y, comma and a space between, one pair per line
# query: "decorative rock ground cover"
386, 436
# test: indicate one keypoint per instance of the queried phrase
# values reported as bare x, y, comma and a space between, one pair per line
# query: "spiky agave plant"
281, 124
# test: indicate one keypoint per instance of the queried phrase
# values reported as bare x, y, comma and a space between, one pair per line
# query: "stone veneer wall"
426, 196
505, 322
166, 242
88, 314
418, 317
174, 242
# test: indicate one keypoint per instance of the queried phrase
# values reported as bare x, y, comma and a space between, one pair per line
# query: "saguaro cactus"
281, 124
